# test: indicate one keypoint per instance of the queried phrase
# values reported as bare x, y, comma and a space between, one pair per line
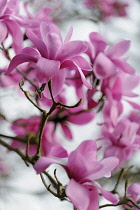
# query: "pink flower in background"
107, 61
134, 192
121, 138
29, 129
108, 8
53, 57
83, 169
9, 10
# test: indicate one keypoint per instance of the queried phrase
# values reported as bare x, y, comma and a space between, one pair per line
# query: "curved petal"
78, 195
66, 131
81, 118
43, 163
124, 66
57, 84
107, 195
58, 151
118, 49
82, 63
19, 59
110, 163
38, 43
94, 198
3, 4
46, 69
53, 43
97, 42
30, 51
103, 67
69, 34
134, 189
3, 32
71, 49
16, 33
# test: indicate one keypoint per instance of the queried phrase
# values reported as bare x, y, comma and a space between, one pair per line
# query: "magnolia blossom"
134, 192
83, 169
121, 138
29, 129
107, 61
108, 8
9, 10
53, 57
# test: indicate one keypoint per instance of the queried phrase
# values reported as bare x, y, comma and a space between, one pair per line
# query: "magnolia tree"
44, 71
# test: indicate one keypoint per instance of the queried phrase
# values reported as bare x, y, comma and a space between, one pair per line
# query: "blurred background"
20, 187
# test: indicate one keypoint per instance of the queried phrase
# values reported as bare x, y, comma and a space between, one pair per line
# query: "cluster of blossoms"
51, 65
108, 8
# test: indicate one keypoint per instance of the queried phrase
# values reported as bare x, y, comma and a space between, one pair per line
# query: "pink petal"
3, 33
57, 84
98, 43
82, 118
94, 198
133, 104
30, 51
71, 49
82, 63
108, 195
44, 29
103, 67
134, 189
66, 131
78, 195
43, 163
110, 163
85, 82
69, 34
53, 44
16, 33
3, 4
118, 49
58, 151
38, 43
19, 59
46, 69
124, 66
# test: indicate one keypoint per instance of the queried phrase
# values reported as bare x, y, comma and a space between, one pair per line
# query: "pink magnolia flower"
121, 138
134, 192
108, 8
107, 61
9, 10
29, 128
83, 169
53, 58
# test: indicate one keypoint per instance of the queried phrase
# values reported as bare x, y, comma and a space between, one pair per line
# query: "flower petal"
38, 43
78, 195
43, 163
134, 189
19, 59
107, 195
46, 69
57, 84
71, 49
16, 33
118, 49
3, 4
81, 118
66, 131
69, 34
124, 66
103, 67
3, 33
82, 63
